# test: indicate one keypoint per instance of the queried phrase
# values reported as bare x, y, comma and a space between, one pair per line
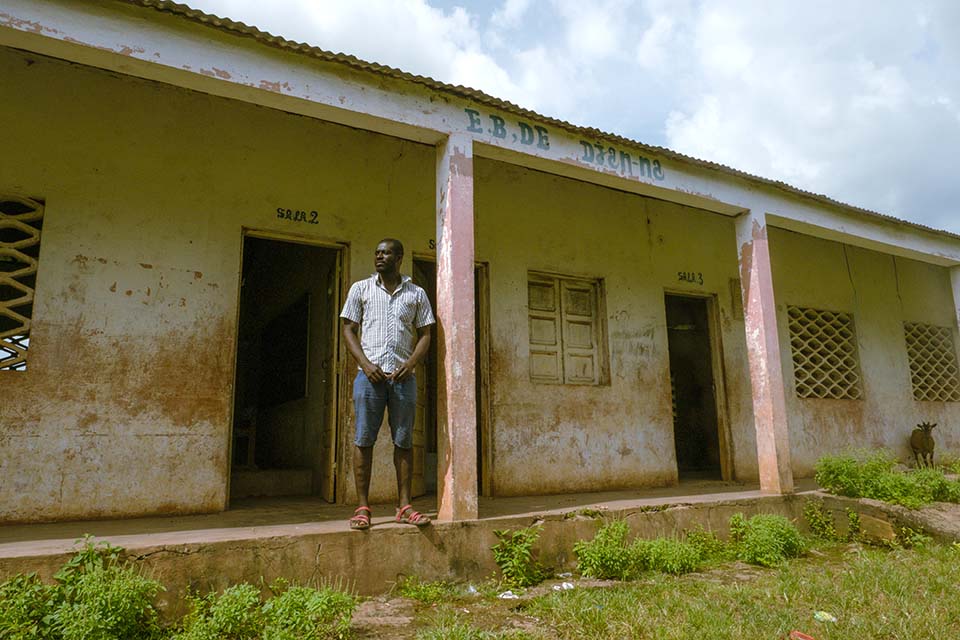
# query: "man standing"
394, 318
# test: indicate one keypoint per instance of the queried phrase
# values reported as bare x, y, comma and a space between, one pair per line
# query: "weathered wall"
554, 438
125, 407
882, 292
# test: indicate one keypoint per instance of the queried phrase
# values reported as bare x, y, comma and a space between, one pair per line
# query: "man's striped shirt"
388, 322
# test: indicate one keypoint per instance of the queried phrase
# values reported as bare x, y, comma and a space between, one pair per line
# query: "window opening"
21, 220
825, 361
933, 362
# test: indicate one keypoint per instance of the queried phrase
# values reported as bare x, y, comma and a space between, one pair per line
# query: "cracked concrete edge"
370, 562
895, 515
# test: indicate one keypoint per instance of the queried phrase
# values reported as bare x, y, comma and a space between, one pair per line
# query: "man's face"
385, 258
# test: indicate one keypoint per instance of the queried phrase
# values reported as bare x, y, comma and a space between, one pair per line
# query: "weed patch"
608, 556
765, 539
873, 475
99, 596
96, 596
28, 608
513, 553
303, 612
426, 592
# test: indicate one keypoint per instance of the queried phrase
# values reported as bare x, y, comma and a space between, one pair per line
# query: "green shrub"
765, 539
110, 601
233, 615
608, 556
708, 545
819, 520
305, 613
96, 596
666, 555
513, 553
872, 475
854, 528
27, 608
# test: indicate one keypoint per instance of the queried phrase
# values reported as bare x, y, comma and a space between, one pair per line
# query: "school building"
185, 200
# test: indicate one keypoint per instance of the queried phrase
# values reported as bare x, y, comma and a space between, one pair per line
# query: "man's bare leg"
362, 464
403, 462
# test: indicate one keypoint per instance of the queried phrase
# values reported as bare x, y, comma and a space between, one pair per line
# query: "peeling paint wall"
882, 292
125, 407
554, 438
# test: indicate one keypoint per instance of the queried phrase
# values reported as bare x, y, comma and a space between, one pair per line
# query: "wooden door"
421, 277
420, 432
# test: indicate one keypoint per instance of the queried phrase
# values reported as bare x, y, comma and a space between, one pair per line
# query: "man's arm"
373, 372
409, 367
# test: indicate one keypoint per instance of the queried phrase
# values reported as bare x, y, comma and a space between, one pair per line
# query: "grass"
873, 593
426, 592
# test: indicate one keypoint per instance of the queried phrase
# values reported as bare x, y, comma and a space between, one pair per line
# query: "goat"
921, 441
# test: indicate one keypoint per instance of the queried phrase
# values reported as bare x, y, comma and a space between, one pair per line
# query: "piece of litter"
823, 616
566, 586
508, 595
565, 574
472, 590
557, 587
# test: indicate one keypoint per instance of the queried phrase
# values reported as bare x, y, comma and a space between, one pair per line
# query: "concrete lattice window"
20, 223
567, 344
824, 347
933, 362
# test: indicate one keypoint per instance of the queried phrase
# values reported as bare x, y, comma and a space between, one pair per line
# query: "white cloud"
511, 13
859, 100
652, 50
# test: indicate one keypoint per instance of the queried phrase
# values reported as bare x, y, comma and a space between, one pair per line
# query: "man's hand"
373, 372
407, 369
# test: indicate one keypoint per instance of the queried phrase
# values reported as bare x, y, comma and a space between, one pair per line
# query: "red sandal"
406, 515
361, 521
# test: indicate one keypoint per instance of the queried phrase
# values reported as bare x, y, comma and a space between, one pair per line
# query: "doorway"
425, 275
285, 392
694, 363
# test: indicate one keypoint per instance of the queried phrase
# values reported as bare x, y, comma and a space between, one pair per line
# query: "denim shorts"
371, 399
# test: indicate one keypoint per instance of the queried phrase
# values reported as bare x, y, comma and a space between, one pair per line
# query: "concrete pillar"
955, 284
763, 353
456, 402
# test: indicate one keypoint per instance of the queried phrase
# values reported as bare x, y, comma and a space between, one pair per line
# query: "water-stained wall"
125, 407
551, 438
882, 293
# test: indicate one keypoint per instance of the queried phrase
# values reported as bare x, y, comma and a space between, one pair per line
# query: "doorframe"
482, 300
340, 362
718, 372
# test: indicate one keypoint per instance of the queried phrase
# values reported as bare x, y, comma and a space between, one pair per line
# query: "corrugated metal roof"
241, 29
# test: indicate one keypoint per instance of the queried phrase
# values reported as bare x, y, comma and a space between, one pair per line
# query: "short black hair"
397, 245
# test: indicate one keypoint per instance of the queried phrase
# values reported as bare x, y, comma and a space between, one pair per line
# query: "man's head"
388, 256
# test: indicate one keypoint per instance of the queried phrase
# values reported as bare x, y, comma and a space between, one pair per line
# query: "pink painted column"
955, 285
457, 402
763, 353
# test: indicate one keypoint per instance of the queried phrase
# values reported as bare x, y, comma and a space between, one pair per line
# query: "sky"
857, 100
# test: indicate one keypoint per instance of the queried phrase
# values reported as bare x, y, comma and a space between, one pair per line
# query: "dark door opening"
284, 428
695, 425
425, 275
